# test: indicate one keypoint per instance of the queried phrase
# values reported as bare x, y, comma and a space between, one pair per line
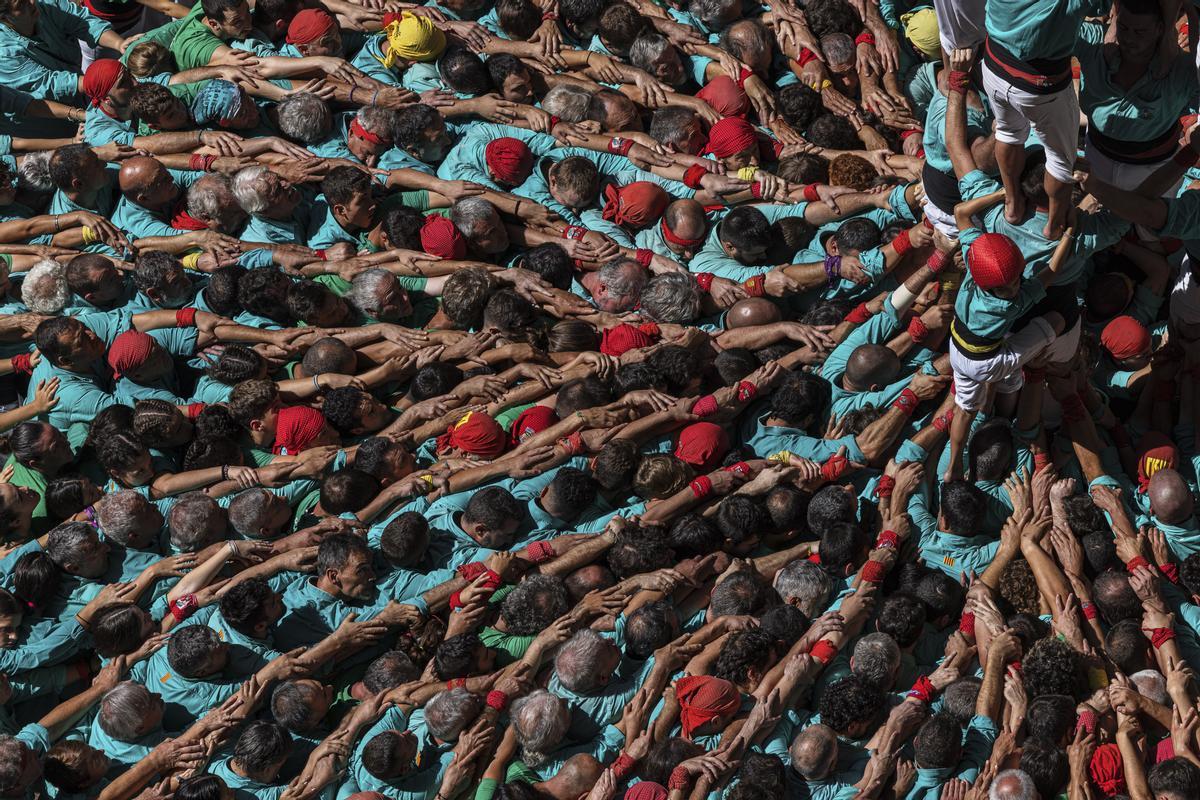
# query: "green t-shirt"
194, 42
31, 479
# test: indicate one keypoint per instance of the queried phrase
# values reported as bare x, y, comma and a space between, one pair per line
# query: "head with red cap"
1108, 770
509, 161
314, 32
703, 445
995, 263
1128, 341
725, 97
440, 238
299, 428
138, 357
531, 421
706, 704
109, 86
734, 142
473, 435
636, 205
646, 790
1155, 451
683, 227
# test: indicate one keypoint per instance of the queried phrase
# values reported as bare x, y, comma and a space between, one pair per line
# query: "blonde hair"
148, 58
659, 476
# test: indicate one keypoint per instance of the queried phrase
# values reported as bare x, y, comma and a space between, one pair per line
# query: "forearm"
178, 483
578, 556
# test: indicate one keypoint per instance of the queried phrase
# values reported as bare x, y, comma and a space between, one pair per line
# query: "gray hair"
578, 662
209, 196
367, 288
123, 709
672, 297
190, 520
378, 120
958, 701
247, 189
876, 659
806, 583
568, 103
733, 39
624, 278
468, 212
1150, 683
246, 511
44, 289
1012, 784
710, 12
838, 48
305, 118
70, 542
12, 763
33, 173
669, 125
541, 720
647, 49
449, 712
812, 750
120, 514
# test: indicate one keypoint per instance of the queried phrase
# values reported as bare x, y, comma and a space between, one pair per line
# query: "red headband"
374, 138
679, 241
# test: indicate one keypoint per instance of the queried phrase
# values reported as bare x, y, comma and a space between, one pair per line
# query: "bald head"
872, 365
138, 172
814, 752
575, 779
1170, 499
752, 311
589, 578
686, 219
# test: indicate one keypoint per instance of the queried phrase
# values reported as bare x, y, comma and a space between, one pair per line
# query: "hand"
1179, 678
1015, 696
459, 190
1122, 695
1068, 550
45, 396
927, 387
1004, 648
962, 59
225, 143
1019, 492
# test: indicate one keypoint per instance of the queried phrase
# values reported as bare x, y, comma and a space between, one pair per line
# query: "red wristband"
22, 364
823, 651
693, 175
811, 194
573, 444
541, 552
619, 145
874, 572
902, 244
834, 467
910, 133
743, 76
966, 624
184, 607
917, 330
740, 468
680, 779
644, 256
806, 56
887, 539
942, 421
456, 683
704, 280
1171, 571
1086, 721
573, 232
705, 406
185, 318
906, 402
651, 329
1089, 610
866, 37
958, 81
194, 409
497, 699
938, 261
1041, 460
1136, 562
623, 766
701, 487
747, 391
756, 286
1160, 636
885, 487
456, 601
549, 15
923, 690
471, 571
322, 255
859, 314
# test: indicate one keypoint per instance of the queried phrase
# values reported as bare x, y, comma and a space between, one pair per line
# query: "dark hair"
463, 71
335, 551
1053, 667
938, 744
455, 656
744, 227
800, 399
519, 19
649, 628
189, 649
263, 291
1049, 718
638, 549
798, 105
117, 629
962, 507
785, 623
341, 185
1047, 766
410, 127
548, 260
200, 787
403, 536
743, 651
221, 293
901, 616
242, 605
534, 604
850, 701
389, 671
348, 490
262, 745
493, 507
616, 464
1176, 777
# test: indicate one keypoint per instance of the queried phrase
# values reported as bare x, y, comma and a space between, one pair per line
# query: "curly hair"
849, 702
1053, 667
638, 549
534, 605
742, 652
1018, 587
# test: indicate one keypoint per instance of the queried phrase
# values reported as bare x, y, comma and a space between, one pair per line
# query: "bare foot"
1053, 230
1014, 206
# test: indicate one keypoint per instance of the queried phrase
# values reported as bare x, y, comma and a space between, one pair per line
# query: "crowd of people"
581, 400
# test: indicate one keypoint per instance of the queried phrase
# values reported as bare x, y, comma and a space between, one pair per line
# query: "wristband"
820, 86
866, 37
906, 402
958, 81
756, 286
740, 468
623, 766
456, 683
701, 487
747, 173
184, 607
541, 552
554, 121
471, 571
1160, 636
923, 690
938, 261
185, 318
859, 314
194, 409
906, 135
693, 175
574, 232
704, 280
644, 256
705, 406
1171, 571
651, 329
549, 15
918, 331
834, 468
942, 421
747, 391
620, 146
806, 57
743, 76
573, 444
874, 572
815, 558
902, 244
756, 191
833, 269
885, 487
456, 602
1137, 562
1041, 461
497, 699
89, 235
811, 194
1086, 721
966, 624
888, 538
1089, 610
680, 778
22, 364
190, 261
321, 254
823, 651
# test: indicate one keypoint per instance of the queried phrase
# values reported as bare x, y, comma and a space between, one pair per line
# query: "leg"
1012, 130
1060, 203
1010, 158
1055, 120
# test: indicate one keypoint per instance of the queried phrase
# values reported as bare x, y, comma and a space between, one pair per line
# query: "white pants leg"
960, 23
1053, 117
1003, 369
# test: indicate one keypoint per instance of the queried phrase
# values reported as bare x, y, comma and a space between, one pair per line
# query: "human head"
586, 662
344, 565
